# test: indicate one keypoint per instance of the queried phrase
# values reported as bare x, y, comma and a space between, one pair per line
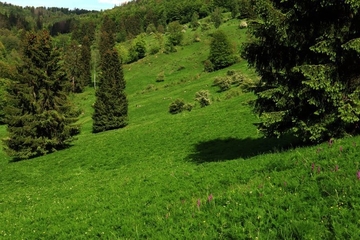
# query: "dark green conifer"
111, 106
85, 61
39, 116
107, 36
308, 56
73, 65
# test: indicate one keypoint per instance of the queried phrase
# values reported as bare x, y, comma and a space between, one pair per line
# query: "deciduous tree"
221, 51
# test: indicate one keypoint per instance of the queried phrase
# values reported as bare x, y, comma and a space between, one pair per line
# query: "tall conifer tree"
39, 116
85, 60
308, 56
111, 106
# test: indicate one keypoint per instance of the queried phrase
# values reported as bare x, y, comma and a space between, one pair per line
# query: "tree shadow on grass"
233, 148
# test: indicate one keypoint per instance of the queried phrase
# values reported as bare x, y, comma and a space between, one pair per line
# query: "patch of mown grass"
204, 174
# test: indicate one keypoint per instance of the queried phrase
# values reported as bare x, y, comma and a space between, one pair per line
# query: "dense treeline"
56, 20
134, 17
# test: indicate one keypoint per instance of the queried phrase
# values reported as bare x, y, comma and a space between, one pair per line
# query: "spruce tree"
111, 106
107, 37
85, 61
39, 116
73, 65
308, 56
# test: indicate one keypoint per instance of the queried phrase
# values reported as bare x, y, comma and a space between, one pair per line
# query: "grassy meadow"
203, 174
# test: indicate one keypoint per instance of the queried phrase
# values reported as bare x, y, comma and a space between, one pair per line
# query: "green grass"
145, 181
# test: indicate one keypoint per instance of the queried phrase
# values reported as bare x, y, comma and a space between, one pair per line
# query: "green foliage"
208, 66
107, 36
196, 37
203, 98
309, 75
160, 77
224, 83
195, 21
175, 34
247, 9
85, 61
234, 8
150, 29
3, 53
232, 78
3, 98
221, 51
74, 66
137, 50
123, 52
179, 106
216, 17
111, 105
205, 26
154, 49
9, 40
39, 115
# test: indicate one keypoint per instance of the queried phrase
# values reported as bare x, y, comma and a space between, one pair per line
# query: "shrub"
203, 97
205, 26
150, 28
160, 77
175, 33
123, 53
208, 66
237, 79
232, 78
243, 24
138, 49
178, 106
224, 83
154, 49
248, 84
169, 48
196, 37
233, 93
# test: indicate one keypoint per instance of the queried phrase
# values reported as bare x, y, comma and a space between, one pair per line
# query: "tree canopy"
111, 105
39, 116
307, 54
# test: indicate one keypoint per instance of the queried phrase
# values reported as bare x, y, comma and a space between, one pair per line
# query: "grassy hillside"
204, 174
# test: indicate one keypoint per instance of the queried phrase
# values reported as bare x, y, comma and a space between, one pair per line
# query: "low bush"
160, 77
178, 106
203, 97
208, 66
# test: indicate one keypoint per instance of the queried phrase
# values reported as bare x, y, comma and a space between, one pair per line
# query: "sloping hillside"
205, 174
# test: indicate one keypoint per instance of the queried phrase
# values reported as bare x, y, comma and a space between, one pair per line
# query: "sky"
71, 4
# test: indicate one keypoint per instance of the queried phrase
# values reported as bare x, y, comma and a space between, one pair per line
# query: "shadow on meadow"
233, 148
